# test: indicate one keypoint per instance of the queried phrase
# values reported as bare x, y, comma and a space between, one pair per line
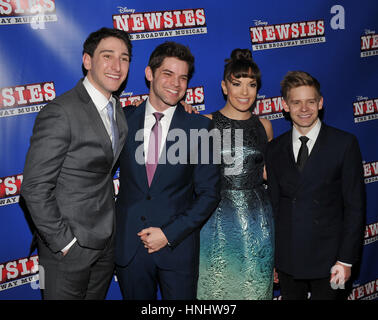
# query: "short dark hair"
95, 37
171, 49
295, 79
241, 65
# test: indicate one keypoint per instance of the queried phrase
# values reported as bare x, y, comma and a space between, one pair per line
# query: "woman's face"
241, 92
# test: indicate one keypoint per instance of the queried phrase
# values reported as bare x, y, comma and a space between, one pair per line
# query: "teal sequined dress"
237, 244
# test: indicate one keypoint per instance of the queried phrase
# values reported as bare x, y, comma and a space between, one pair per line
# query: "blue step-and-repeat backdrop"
40, 58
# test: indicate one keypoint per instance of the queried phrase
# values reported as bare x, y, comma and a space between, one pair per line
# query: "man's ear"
320, 103
87, 61
149, 74
285, 106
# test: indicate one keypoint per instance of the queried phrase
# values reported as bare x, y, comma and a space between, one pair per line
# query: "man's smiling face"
108, 67
168, 83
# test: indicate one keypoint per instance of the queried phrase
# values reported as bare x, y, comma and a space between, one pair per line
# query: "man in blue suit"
162, 205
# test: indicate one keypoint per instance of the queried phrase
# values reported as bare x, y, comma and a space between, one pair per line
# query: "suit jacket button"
143, 218
148, 197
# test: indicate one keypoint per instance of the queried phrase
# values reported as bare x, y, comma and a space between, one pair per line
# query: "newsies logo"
19, 272
26, 98
370, 171
367, 291
269, 108
10, 189
371, 233
35, 12
365, 109
369, 44
161, 24
264, 36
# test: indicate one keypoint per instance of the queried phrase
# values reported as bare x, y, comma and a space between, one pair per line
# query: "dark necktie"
113, 126
303, 153
153, 147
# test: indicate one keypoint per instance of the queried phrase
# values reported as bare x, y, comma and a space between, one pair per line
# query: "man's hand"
153, 239
275, 276
339, 275
188, 108
137, 103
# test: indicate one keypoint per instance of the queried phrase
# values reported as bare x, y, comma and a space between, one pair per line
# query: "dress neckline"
250, 118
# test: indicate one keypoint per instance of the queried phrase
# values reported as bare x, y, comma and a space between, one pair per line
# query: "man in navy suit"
161, 208
316, 182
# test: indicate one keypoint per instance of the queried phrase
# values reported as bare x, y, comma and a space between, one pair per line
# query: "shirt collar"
97, 97
312, 134
150, 110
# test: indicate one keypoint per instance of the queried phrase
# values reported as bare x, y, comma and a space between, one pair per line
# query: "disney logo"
260, 96
125, 10
260, 23
360, 98
125, 94
368, 31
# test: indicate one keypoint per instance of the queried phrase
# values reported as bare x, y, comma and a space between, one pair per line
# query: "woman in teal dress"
237, 244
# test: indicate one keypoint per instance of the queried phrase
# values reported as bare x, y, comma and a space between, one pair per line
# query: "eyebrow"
170, 71
295, 100
111, 51
238, 79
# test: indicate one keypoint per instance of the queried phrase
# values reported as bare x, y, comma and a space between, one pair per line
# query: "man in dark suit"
162, 205
68, 175
316, 182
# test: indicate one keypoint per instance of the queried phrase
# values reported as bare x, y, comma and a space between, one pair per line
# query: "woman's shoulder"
268, 128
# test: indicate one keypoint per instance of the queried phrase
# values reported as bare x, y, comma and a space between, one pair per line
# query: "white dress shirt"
100, 101
149, 121
312, 135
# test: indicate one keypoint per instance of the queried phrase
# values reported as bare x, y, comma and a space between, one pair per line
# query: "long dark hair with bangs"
241, 65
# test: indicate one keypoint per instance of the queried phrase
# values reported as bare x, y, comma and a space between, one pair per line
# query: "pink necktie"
153, 147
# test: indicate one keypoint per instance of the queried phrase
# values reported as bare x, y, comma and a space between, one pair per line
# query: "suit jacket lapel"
316, 149
289, 166
122, 128
176, 122
318, 143
289, 153
289, 147
96, 121
132, 144
315, 158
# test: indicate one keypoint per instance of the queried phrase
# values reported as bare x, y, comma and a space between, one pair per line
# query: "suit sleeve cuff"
345, 264
69, 245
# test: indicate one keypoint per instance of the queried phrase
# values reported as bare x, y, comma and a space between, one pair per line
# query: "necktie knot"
303, 139
158, 116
